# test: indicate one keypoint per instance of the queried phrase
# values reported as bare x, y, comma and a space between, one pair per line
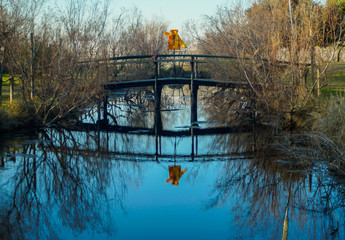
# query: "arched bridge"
157, 79
157, 82
191, 76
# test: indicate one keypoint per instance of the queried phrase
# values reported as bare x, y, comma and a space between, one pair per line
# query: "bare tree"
273, 41
55, 51
50, 57
133, 35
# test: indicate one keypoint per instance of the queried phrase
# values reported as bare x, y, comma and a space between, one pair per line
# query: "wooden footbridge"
157, 82
157, 60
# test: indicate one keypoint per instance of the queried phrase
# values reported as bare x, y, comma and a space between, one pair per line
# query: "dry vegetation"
275, 42
44, 47
278, 44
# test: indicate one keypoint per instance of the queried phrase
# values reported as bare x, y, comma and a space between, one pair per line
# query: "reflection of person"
175, 174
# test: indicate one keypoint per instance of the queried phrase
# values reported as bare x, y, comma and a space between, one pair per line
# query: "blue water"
64, 184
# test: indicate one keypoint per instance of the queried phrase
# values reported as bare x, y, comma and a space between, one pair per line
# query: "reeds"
329, 133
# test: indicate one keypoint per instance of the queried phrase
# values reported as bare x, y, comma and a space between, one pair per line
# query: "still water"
223, 178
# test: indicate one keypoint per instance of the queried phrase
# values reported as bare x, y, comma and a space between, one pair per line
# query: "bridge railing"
202, 58
141, 66
167, 57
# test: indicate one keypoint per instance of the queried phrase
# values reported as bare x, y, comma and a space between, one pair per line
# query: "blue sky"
176, 12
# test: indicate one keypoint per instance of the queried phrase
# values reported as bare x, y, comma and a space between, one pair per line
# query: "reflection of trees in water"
225, 105
283, 177
175, 106
63, 179
246, 142
136, 107
175, 96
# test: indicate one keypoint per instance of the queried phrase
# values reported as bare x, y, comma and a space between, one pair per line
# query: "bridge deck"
170, 81
162, 132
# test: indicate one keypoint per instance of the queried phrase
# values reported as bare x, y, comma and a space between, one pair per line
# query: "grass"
329, 92
335, 80
11, 115
328, 133
6, 89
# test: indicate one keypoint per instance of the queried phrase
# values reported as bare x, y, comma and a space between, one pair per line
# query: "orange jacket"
174, 42
175, 174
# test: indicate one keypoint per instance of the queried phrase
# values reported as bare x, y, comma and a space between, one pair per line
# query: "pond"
159, 176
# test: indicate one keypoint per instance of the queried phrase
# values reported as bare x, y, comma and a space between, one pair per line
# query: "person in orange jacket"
174, 42
175, 174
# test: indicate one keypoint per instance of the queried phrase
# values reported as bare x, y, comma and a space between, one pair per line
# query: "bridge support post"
158, 118
158, 89
158, 131
196, 68
105, 110
193, 94
194, 108
98, 110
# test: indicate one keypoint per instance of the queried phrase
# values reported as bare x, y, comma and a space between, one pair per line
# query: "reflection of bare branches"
234, 102
65, 177
277, 180
135, 108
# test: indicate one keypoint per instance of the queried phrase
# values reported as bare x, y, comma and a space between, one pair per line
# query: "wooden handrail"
176, 58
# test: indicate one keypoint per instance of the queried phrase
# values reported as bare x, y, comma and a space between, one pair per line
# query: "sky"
176, 12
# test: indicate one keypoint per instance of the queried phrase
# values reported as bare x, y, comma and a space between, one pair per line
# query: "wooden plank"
164, 133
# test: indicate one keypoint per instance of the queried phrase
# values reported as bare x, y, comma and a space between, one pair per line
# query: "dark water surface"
156, 181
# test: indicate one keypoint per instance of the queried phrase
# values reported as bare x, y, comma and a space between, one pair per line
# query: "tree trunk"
1, 73
32, 86
0, 89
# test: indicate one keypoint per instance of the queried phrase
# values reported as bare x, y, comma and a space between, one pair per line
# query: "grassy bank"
12, 115
334, 80
9, 120
327, 133
326, 125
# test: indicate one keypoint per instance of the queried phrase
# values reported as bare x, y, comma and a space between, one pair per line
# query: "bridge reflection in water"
133, 113
110, 176
70, 184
